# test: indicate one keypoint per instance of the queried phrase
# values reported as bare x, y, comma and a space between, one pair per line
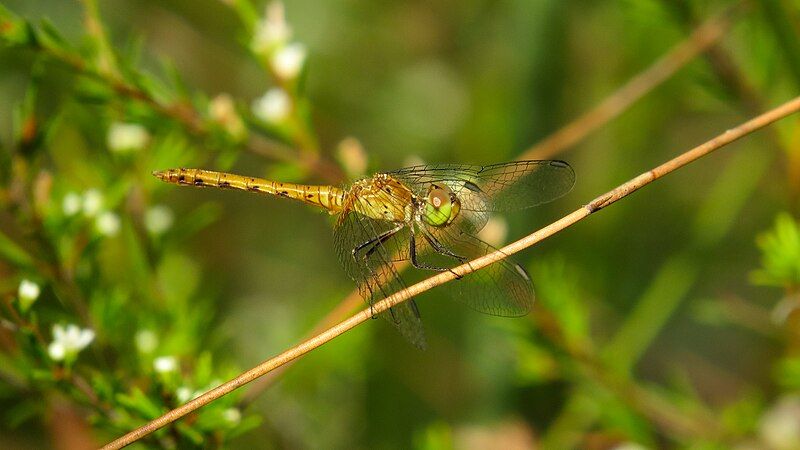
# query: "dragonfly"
427, 216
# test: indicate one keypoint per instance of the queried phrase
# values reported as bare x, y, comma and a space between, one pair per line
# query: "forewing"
503, 288
372, 269
497, 187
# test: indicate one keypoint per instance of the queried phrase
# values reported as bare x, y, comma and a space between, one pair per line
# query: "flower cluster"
92, 204
68, 341
285, 59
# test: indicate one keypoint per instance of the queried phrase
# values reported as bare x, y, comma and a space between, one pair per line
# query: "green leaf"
535, 365
558, 289
138, 402
22, 412
49, 37
742, 416
437, 436
787, 373
190, 433
179, 277
247, 14
248, 423
13, 253
780, 254
14, 30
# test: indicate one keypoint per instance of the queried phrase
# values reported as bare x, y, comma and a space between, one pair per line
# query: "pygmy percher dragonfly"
427, 215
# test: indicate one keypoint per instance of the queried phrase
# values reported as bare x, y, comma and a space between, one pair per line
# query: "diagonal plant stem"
181, 111
581, 213
700, 40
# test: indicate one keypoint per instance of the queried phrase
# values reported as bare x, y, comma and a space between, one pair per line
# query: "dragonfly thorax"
382, 197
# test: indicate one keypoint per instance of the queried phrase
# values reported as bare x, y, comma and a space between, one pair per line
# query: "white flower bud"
126, 137
287, 62
68, 341
273, 107
223, 111
146, 341
27, 292
352, 156
272, 31
107, 224
71, 204
165, 364
232, 415
92, 202
158, 219
183, 394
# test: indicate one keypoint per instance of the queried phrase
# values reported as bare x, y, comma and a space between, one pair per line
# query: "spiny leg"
442, 250
413, 253
373, 245
376, 241
439, 247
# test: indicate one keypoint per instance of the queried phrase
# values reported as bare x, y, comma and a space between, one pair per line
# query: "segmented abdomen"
327, 197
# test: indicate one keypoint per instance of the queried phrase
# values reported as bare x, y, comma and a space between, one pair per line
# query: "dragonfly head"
441, 206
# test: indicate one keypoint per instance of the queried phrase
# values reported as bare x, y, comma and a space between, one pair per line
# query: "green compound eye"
439, 208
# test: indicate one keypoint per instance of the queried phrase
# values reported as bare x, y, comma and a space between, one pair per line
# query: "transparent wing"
497, 187
503, 288
377, 243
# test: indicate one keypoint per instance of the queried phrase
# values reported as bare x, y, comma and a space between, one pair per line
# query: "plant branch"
611, 107
105, 71
581, 213
701, 39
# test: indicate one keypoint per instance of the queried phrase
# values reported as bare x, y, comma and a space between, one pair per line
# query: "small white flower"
272, 31
126, 137
28, 292
165, 364
223, 111
272, 107
92, 202
183, 394
495, 231
107, 224
68, 341
158, 219
288, 61
232, 415
71, 204
146, 341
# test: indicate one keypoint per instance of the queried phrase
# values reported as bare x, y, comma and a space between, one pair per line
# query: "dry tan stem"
612, 106
595, 205
341, 310
703, 37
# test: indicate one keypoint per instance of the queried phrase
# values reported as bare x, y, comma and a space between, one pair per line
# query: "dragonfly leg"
371, 302
441, 249
419, 265
376, 241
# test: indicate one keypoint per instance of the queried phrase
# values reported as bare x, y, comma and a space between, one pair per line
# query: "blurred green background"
659, 322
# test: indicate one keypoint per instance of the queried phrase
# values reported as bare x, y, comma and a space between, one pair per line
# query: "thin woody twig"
181, 111
701, 39
341, 310
581, 213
